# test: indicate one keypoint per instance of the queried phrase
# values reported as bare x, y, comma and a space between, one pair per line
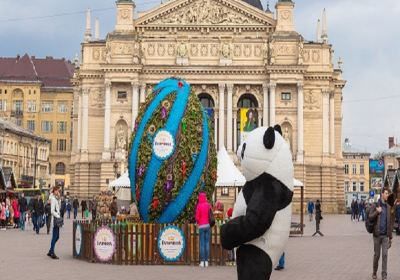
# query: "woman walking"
202, 219
55, 213
15, 206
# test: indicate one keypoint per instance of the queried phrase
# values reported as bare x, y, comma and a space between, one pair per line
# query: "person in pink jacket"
14, 205
2, 216
202, 219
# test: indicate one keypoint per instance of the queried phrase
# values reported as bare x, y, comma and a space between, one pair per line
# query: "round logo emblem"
163, 144
78, 239
171, 243
104, 244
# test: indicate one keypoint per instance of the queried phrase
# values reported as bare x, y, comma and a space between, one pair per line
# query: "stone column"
265, 105
107, 121
215, 129
258, 117
325, 121
85, 119
142, 93
79, 133
235, 130
272, 87
300, 123
221, 100
229, 118
135, 103
332, 122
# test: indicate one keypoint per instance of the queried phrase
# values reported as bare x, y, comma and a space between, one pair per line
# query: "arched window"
247, 101
206, 100
247, 116
60, 168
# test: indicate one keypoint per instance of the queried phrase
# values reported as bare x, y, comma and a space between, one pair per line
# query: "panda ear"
269, 138
278, 128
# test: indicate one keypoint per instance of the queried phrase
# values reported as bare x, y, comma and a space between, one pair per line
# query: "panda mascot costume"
260, 223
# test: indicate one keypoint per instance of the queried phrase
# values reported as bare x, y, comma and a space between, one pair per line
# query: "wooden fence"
136, 244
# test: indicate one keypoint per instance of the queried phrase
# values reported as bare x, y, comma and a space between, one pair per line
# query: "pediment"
205, 13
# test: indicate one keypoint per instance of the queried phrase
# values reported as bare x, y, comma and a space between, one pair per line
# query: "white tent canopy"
122, 182
227, 173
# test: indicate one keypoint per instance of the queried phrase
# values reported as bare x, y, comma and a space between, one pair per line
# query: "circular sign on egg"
172, 155
171, 243
78, 239
163, 144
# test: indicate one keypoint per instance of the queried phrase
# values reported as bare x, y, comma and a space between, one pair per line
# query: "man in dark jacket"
39, 214
23, 207
47, 212
114, 209
34, 212
84, 207
383, 226
75, 205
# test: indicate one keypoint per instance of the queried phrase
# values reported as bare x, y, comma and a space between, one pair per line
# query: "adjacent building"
24, 157
237, 57
356, 173
36, 94
391, 156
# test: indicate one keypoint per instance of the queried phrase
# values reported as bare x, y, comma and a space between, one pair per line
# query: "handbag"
211, 218
58, 222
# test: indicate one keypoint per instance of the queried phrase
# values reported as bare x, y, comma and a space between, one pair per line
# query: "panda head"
266, 151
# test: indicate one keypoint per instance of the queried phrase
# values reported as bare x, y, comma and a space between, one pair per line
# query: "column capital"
221, 87
300, 85
325, 92
272, 85
85, 91
331, 94
107, 83
230, 88
134, 84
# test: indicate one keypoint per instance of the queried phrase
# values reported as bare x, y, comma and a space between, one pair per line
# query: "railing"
136, 244
17, 113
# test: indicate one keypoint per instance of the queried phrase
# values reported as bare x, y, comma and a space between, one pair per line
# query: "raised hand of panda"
264, 196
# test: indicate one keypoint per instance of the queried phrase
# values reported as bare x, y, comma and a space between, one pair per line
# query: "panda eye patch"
243, 149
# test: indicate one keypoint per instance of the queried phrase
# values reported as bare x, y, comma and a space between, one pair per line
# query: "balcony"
17, 113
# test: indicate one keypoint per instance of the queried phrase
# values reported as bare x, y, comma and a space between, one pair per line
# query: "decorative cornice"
283, 69
203, 71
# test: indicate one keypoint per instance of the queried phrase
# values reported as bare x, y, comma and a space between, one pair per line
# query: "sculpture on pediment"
97, 99
301, 48
226, 50
136, 53
182, 50
121, 137
108, 53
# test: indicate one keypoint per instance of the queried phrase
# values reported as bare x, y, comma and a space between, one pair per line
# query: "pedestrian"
202, 219
281, 263
10, 215
231, 253
84, 207
35, 216
318, 218
47, 213
94, 210
55, 213
310, 209
15, 207
397, 215
68, 207
380, 214
23, 208
114, 209
3, 225
75, 205
63, 206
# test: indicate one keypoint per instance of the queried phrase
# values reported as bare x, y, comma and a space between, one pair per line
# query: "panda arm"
261, 209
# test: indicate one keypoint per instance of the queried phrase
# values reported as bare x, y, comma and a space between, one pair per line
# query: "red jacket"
202, 210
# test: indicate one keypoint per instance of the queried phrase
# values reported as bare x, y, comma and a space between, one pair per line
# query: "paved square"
344, 253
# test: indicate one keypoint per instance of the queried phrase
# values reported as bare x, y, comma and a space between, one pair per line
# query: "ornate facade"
235, 55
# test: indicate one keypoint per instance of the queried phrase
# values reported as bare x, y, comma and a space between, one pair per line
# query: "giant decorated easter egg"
172, 154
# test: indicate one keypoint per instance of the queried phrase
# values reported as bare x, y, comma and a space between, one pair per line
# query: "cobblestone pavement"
345, 252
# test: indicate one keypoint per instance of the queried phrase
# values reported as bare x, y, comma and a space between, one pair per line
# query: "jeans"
113, 219
34, 221
22, 221
75, 213
381, 242
48, 222
68, 214
54, 239
282, 261
204, 234
39, 220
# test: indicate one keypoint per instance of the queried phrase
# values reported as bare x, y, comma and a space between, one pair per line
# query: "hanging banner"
171, 243
104, 244
248, 122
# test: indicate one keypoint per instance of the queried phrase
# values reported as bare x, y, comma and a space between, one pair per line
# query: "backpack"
211, 218
369, 225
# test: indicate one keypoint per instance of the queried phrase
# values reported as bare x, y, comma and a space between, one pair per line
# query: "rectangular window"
18, 105
3, 105
354, 168
61, 145
61, 127
62, 107
361, 169
47, 106
347, 186
122, 95
225, 191
47, 126
31, 106
31, 125
286, 96
18, 122
354, 186
346, 169
361, 186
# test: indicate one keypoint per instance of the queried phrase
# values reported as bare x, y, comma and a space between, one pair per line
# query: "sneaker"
201, 264
206, 263
54, 257
278, 268
374, 276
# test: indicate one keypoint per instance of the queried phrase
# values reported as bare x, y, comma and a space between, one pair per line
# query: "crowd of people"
358, 207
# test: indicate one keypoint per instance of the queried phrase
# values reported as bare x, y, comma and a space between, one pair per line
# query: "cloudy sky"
363, 32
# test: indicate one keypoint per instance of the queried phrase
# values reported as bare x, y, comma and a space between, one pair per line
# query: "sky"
363, 32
